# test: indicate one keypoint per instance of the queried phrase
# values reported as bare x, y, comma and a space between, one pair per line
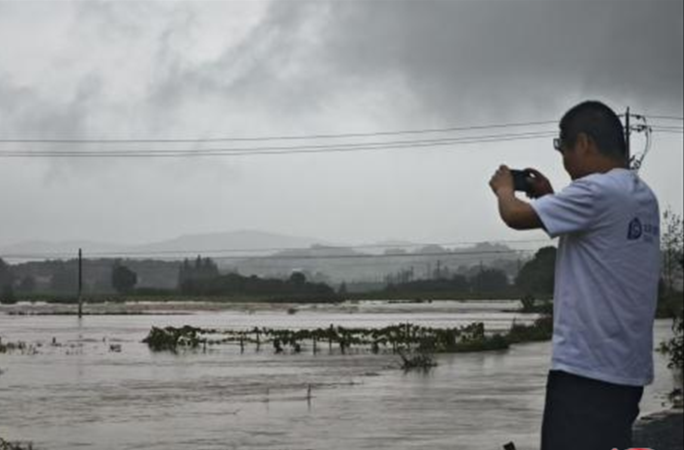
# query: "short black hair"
600, 123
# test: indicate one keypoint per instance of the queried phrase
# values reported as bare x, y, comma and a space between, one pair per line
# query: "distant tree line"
123, 278
51, 279
203, 278
6, 282
534, 278
197, 272
486, 281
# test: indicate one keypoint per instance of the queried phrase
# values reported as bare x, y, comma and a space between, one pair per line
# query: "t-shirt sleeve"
571, 210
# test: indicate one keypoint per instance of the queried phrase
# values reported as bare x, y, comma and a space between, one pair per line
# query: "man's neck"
605, 165
602, 165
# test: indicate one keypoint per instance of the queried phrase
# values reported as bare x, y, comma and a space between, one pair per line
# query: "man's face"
570, 161
574, 156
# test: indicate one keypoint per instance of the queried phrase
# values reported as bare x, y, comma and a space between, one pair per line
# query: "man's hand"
516, 213
539, 184
502, 181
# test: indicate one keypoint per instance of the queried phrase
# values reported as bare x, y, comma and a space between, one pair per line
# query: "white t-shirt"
607, 270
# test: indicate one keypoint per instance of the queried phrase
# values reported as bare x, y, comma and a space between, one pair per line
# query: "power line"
289, 150
291, 137
668, 129
318, 257
278, 150
228, 251
274, 138
665, 117
285, 148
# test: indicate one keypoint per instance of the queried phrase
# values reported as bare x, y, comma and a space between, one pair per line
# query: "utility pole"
628, 132
80, 283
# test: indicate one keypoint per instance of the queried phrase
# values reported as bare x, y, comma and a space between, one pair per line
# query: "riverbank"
660, 431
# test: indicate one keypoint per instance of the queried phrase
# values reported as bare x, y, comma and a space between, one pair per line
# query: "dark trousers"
581, 413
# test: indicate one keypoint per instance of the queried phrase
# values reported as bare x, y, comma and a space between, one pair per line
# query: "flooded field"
99, 387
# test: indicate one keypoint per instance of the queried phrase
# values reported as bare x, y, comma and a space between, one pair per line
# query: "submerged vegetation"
421, 361
6, 445
170, 338
540, 330
399, 338
18, 347
531, 305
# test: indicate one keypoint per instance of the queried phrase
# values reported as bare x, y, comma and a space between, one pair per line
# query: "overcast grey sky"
195, 69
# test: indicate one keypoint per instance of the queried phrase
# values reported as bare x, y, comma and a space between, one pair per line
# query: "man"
607, 269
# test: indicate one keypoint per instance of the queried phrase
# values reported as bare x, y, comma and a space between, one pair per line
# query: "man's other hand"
539, 184
502, 180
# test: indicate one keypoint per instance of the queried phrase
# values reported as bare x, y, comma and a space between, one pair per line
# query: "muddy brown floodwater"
85, 393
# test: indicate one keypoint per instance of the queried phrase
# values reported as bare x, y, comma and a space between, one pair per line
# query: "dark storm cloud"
482, 58
465, 54
479, 58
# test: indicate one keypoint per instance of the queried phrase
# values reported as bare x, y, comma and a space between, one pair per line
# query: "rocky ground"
662, 431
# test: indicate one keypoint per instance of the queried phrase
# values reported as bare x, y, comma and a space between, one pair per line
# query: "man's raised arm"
516, 213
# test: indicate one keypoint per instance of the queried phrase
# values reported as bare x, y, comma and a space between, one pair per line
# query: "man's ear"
584, 144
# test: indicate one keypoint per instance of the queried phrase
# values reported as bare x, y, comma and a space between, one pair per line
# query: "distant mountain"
275, 255
333, 264
250, 252
56, 250
317, 251
242, 242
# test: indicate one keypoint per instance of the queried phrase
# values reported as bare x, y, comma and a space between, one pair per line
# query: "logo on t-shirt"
635, 229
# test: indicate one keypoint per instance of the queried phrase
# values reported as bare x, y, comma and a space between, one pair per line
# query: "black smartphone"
520, 180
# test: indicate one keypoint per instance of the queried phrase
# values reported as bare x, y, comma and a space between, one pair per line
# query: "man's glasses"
557, 144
